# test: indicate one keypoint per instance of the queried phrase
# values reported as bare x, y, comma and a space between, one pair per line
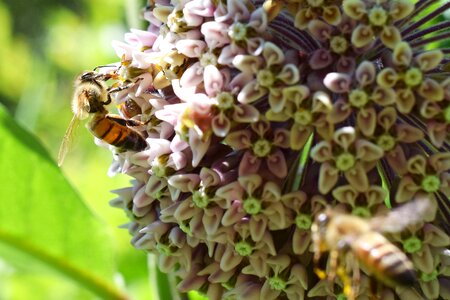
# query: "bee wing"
67, 140
403, 216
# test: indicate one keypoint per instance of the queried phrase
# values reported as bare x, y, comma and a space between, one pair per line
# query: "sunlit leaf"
43, 217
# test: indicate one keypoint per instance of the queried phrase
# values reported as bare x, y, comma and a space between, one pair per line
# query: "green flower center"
378, 16
303, 117
358, 98
238, 32
164, 249
185, 228
265, 78
158, 170
277, 284
261, 148
200, 199
252, 206
243, 248
303, 221
360, 211
338, 44
431, 183
345, 161
413, 77
341, 297
412, 244
427, 277
207, 59
158, 194
225, 100
447, 115
386, 142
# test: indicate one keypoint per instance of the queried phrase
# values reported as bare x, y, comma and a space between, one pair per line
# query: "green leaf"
43, 217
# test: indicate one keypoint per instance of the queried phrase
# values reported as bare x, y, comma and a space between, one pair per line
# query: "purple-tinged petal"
244, 113
367, 151
239, 140
357, 177
213, 80
228, 53
258, 20
184, 182
221, 125
322, 152
281, 138
199, 147
272, 54
276, 100
337, 82
249, 164
255, 46
193, 76
328, 177
190, 48
230, 192
276, 163
233, 214
321, 58
301, 240
212, 218
289, 74
123, 50
230, 259
251, 92
250, 183
215, 34
141, 199
248, 63
268, 293
258, 227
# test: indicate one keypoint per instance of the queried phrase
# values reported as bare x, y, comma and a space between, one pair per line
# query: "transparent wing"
67, 140
403, 216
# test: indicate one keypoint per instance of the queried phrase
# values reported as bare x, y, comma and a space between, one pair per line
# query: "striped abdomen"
114, 131
381, 258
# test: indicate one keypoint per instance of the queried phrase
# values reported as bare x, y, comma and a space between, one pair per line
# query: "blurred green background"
44, 45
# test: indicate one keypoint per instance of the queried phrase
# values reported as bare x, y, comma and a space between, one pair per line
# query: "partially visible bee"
344, 235
90, 98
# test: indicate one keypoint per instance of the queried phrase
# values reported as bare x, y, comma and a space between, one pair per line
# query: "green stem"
91, 282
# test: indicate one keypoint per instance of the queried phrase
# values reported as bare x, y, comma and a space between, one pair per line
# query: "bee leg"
123, 87
107, 101
373, 288
347, 283
356, 278
334, 255
124, 122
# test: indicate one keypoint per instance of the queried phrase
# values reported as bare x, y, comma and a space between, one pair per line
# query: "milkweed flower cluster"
259, 114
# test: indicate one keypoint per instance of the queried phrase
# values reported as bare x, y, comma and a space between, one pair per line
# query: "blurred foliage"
45, 45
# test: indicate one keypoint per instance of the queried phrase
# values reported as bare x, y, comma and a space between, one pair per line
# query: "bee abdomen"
116, 134
131, 141
385, 260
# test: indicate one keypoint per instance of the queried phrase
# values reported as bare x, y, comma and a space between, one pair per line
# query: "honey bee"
350, 238
90, 98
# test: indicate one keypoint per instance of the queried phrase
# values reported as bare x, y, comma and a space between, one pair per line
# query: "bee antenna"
105, 66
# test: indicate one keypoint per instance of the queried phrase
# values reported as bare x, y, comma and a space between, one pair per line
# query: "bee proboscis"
348, 236
90, 97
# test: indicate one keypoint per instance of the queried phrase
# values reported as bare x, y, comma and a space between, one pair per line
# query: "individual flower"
345, 155
261, 144
429, 175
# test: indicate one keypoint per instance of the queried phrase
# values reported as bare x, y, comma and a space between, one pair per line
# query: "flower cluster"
258, 115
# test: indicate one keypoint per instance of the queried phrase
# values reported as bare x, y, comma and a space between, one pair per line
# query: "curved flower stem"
90, 281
